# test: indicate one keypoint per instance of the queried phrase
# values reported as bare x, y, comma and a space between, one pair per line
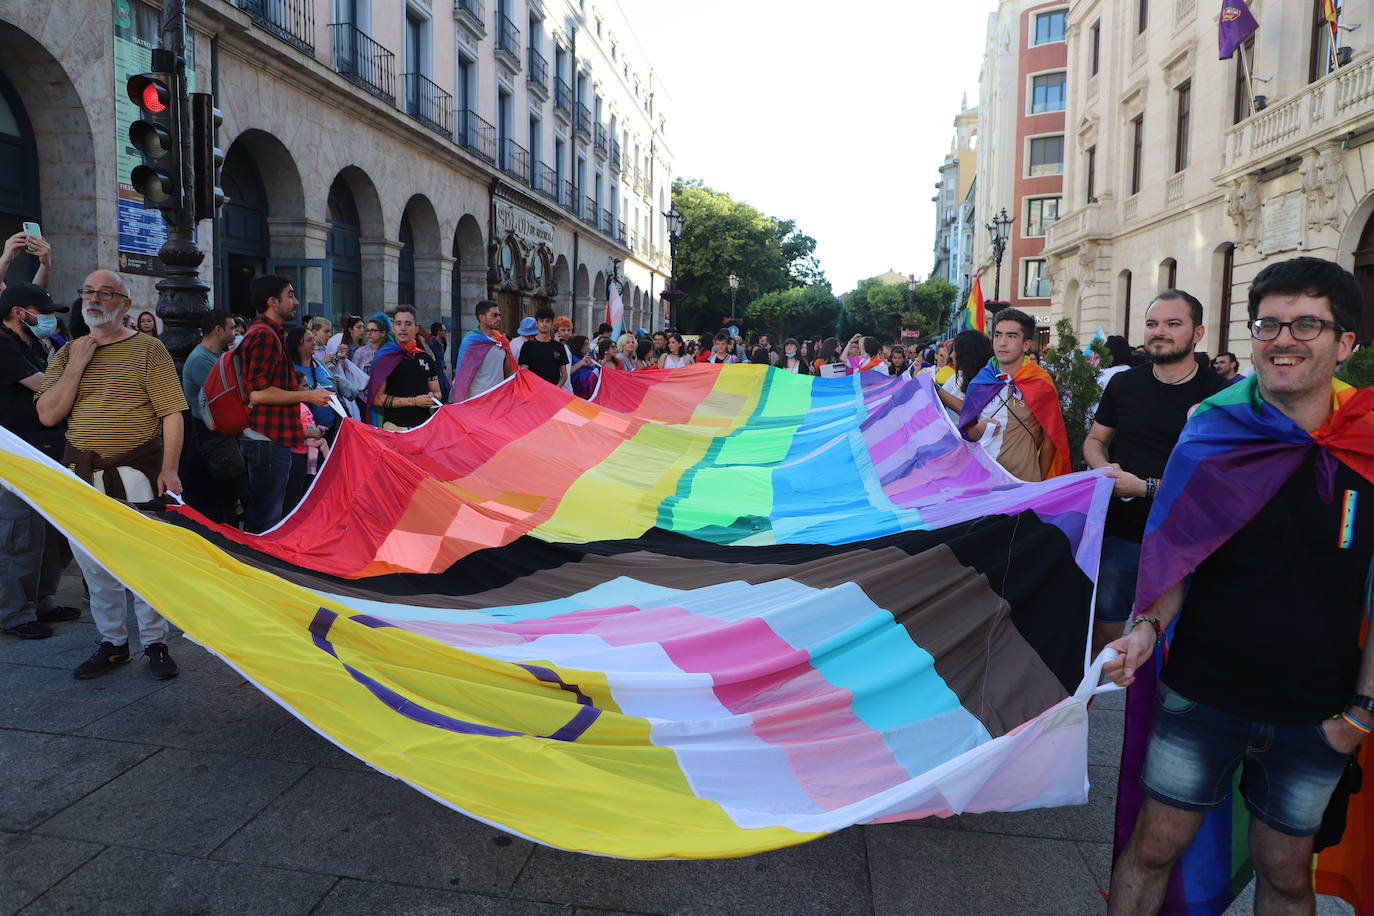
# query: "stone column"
381, 272
296, 237
433, 287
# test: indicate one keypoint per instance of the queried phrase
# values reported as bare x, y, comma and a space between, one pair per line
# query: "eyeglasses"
1304, 328
104, 295
374, 330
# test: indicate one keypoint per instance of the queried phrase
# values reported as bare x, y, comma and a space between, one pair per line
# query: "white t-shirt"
489, 374
675, 362
996, 410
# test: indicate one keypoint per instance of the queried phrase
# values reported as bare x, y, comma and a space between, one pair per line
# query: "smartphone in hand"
32, 231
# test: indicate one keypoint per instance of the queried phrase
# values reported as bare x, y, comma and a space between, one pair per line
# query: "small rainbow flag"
974, 315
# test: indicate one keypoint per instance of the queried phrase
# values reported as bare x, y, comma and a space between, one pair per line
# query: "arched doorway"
469, 280
244, 235
19, 202
1364, 275
581, 285
405, 265
563, 301
344, 250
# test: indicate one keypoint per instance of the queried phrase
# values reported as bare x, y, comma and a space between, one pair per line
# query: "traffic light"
206, 195
157, 134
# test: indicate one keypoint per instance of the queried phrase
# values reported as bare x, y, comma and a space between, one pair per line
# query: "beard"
1168, 357
97, 317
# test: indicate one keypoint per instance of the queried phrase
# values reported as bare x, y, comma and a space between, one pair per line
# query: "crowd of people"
102, 396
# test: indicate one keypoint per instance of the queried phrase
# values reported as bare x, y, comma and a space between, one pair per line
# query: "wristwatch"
1362, 702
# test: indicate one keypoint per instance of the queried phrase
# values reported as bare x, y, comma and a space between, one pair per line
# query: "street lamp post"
734, 289
1000, 227
672, 295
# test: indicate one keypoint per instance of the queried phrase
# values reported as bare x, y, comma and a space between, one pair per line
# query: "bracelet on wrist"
1151, 485
1356, 723
1153, 622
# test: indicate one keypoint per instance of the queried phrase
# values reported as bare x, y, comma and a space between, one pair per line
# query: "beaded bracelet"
1356, 723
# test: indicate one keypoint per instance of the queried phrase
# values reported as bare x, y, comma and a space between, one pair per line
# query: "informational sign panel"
1282, 222
141, 231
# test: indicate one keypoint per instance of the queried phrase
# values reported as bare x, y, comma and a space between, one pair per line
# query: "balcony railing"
634, 240
515, 160
508, 38
589, 210
567, 197
293, 21
539, 70
474, 10
620, 230
615, 155
584, 120
601, 139
546, 181
428, 104
607, 224
476, 135
562, 96
363, 62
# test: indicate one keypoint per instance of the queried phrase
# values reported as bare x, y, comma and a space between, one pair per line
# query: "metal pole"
182, 296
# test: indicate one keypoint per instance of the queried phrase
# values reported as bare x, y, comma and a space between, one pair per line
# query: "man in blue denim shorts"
1135, 428
1264, 670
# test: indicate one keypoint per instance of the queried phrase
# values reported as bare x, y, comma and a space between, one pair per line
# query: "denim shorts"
1116, 575
1194, 751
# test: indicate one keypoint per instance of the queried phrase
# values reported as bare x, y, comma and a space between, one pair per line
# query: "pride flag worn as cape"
1038, 391
1235, 453
714, 611
471, 352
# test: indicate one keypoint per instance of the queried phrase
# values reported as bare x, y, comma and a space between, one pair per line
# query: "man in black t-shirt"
1264, 669
1137, 425
409, 394
541, 354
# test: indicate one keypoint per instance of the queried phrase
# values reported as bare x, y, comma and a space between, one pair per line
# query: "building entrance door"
1364, 275
19, 201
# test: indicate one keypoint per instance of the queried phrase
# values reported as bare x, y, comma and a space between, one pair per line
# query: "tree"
804, 311
1075, 376
880, 309
721, 236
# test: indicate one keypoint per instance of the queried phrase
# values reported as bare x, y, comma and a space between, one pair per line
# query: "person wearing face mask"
792, 360
31, 566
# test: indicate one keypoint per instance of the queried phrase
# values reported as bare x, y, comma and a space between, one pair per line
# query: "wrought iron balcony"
589, 210
428, 104
476, 136
515, 160
620, 230
634, 240
363, 62
562, 96
538, 71
584, 121
567, 197
607, 224
293, 21
474, 12
546, 181
508, 39
615, 155
601, 139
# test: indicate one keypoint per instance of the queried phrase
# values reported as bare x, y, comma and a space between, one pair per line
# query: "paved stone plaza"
200, 795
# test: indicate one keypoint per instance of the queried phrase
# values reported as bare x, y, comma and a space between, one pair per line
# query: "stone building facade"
954, 202
1173, 178
378, 151
1021, 137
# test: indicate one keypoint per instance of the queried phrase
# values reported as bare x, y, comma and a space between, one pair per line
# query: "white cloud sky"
835, 114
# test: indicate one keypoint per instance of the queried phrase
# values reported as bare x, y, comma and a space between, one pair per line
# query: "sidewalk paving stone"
51, 700
123, 880
46, 773
370, 826
917, 870
1092, 822
366, 898
32, 864
828, 877
296, 742
176, 801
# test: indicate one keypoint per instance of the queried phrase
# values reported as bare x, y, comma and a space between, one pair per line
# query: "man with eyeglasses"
1260, 544
118, 393
1226, 365
31, 563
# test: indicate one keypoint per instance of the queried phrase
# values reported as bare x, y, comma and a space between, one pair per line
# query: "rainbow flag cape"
1041, 396
715, 611
1235, 453
615, 308
974, 316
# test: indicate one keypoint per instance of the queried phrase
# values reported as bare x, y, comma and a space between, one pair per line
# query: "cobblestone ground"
200, 795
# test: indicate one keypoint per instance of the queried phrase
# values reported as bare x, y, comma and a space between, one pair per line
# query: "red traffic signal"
151, 92
156, 134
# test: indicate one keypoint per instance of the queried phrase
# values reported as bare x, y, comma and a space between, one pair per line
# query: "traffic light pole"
182, 297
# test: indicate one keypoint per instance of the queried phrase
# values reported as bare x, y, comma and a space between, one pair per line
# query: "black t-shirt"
1148, 417
1269, 630
543, 357
411, 377
19, 359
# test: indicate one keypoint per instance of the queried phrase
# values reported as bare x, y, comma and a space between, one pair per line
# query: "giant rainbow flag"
711, 612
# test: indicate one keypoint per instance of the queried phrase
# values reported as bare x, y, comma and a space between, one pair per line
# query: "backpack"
223, 399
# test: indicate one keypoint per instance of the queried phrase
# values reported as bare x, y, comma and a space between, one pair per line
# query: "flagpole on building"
1249, 78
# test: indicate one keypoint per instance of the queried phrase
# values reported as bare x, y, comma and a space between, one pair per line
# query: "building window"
1126, 304
1046, 156
1183, 111
1142, 16
1047, 92
1137, 150
1228, 266
1094, 48
1240, 106
1090, 167
1041, 212
1049, 26
1320, 62
1035, 283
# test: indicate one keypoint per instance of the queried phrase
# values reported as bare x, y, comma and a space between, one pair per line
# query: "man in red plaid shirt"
275, 422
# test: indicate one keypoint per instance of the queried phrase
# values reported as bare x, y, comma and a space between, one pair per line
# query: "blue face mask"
46, 326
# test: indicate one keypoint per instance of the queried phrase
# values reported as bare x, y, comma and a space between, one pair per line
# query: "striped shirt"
125, 391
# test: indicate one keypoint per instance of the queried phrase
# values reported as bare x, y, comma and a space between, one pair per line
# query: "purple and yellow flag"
1235, 25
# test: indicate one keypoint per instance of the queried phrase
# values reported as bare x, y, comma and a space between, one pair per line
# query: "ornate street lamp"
1000, 227
734, 288
672, 295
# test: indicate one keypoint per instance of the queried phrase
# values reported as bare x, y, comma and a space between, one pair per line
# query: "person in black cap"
31, 566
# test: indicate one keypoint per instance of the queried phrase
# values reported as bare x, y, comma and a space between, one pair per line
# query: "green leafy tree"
803, 311
1075, 376
1358, 369
879, 309
721, 236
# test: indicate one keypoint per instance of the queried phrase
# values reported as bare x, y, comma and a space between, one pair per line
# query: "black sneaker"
59, 614
159, 663
107, 658
29, 630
